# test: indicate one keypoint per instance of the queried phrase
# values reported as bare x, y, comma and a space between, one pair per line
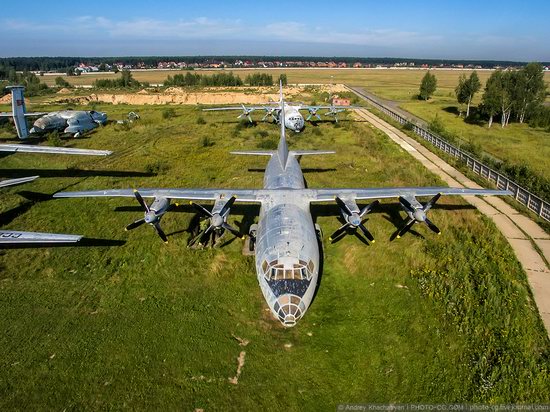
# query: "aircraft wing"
242, 195
31, 114
13, 182
309, 107
13, 237
26, 148
264, 107
327, 195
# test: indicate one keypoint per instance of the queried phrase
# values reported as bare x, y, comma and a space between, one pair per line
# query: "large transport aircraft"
286, 238
288, 112
73, 122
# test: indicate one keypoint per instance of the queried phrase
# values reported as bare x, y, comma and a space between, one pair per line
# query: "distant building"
340, 101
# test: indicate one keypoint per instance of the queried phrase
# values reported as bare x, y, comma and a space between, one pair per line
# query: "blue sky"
500, 30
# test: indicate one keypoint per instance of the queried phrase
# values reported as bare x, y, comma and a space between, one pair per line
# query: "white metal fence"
522, 195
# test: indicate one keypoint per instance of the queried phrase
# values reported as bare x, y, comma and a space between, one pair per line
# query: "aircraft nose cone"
355, 220
288, 309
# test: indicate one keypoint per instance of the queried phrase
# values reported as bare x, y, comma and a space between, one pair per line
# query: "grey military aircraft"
286, 237
73, 122
293, 119
14, 237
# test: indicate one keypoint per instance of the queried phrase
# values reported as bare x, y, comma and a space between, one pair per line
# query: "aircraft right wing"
13, 237
48, 149
13, 182
267, 106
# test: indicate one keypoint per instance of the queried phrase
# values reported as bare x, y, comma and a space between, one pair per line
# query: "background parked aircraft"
293, 119
74, 122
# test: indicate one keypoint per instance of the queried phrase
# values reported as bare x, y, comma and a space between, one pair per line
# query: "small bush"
206, 142
437, 126
157, 167
262, 134
200, 120
168, 113
54, 139
408, 126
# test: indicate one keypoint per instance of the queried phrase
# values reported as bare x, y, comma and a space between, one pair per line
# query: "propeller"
313, 112
151, 216
418, 214
334, 112
353, 219
270, 111
218, 220
246, 113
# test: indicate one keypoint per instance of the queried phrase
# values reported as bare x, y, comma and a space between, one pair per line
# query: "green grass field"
146, 326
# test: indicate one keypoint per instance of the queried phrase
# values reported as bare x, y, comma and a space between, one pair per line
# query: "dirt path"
521, 232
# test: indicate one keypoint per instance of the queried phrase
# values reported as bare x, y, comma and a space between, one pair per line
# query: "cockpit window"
275, 270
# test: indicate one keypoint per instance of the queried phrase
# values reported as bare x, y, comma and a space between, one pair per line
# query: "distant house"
357, 65
340, 101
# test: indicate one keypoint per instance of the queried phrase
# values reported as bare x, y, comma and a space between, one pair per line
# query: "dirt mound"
210, 95
64, 91
5, 99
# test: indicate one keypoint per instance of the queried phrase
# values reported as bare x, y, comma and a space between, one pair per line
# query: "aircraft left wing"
241, 195
327, 195
28, 114
13, 237
26, 148
13, 182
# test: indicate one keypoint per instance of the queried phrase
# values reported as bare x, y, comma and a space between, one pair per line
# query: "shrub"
268, 144
200, 120
54, 139
168, 113
206, 142
157, 167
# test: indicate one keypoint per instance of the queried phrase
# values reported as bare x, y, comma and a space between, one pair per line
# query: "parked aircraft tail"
19, 111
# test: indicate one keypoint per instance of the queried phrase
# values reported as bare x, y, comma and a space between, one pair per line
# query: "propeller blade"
406, 203
160, 232
368, 208
432, 201
318, 117
406, 228
309, 117
232, 230
202, 210
366, 232
227, 206
249, 118
343, 206
339, 231
135, 224
141, 201
433, 227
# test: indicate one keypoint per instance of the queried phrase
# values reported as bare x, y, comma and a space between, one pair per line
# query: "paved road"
521, 232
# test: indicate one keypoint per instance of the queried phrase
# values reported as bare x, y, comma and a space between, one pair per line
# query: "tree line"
517, 94
62, 64
221, 79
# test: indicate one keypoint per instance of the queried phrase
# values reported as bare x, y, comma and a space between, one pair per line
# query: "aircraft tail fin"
282, 149
19, 110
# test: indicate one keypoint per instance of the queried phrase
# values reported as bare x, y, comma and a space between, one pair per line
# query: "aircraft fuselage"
293, 118
287, 250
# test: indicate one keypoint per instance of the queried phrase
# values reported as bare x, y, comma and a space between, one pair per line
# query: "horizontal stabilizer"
310, 152
13, 182
26, 148
31, 114
254, 152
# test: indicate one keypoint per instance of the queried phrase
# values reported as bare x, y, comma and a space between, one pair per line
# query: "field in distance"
143, 325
